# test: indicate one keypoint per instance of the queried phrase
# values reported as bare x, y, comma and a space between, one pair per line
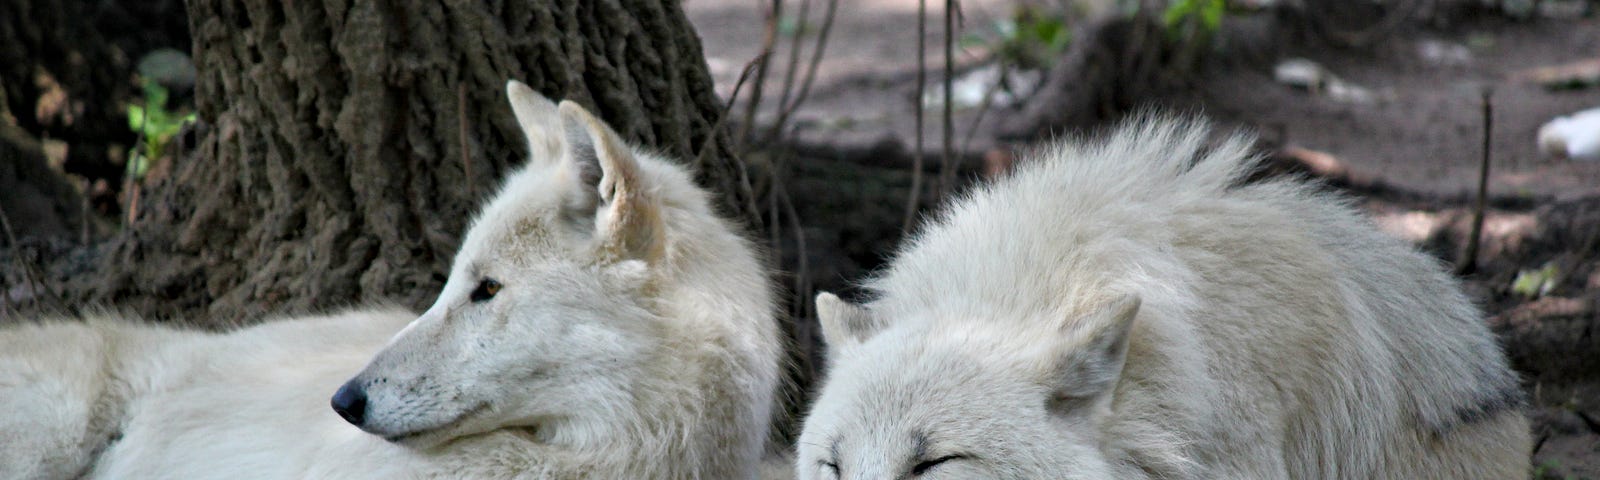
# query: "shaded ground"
1412, 155
1424, 130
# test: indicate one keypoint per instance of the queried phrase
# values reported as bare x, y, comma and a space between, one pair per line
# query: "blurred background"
213, 162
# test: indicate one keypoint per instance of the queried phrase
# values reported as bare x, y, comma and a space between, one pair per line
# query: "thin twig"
802, 282
466, 156
768, 41
733, 98
947, 174
132, 170
916, 155
816, 59
1588, 421
1469, 262
774, 227
794, 67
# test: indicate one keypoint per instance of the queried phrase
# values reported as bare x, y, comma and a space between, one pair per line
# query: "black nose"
351, 402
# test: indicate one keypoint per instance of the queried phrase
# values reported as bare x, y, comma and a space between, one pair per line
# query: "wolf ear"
540, 122
1087, 368
627, 214
844, 324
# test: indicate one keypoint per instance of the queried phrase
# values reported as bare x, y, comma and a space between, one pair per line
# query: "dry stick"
1469, 264
947, 174
916, 155
775, 229
768, 41
132, 169
466, 157
782, 205
816, 59
802, 281
133, 205
794, 67
733, 98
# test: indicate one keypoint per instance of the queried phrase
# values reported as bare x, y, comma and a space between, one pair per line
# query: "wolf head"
932, 398
545, 319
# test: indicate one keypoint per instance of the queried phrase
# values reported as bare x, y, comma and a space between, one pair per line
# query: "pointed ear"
628, 216
844, 325
1087, 368
540, 122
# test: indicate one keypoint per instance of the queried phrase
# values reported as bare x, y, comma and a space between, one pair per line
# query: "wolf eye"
830, 467
923, 467
486, 290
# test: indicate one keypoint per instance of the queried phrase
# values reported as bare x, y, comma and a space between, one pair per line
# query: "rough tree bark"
343, 145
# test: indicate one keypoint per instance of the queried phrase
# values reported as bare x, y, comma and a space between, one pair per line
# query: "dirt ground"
1412, 153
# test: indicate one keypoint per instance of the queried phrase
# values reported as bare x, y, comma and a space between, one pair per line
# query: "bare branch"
916, 155
816, 59
768, 41
793, 68
722, 120
947, 173
1469, 261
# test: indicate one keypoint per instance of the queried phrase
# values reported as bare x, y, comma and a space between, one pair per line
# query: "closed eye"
485, 290
926, 465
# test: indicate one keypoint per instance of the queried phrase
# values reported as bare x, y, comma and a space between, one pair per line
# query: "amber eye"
486, 290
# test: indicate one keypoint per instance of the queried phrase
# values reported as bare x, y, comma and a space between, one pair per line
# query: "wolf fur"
629, 333
1130, 309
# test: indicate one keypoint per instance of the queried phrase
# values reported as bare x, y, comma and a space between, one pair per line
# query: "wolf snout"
351, 402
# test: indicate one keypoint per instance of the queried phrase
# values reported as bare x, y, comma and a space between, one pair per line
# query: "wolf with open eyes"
599, 322
1130, 309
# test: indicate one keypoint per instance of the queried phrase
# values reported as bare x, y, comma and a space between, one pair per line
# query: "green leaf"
1211, 17
136, 118
155, 94
1177, 12
1536, 283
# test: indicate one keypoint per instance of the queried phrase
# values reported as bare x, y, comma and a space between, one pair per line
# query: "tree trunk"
343, 145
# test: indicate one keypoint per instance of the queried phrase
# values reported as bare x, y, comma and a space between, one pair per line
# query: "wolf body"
599, 321
1130, 309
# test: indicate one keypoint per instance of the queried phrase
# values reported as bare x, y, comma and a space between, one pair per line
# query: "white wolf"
1128, 309
599, 322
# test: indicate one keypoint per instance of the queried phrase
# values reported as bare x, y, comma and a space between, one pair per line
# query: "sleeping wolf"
1129, 309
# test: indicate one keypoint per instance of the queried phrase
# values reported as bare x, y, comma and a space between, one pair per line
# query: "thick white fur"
1126, 309
632, 336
